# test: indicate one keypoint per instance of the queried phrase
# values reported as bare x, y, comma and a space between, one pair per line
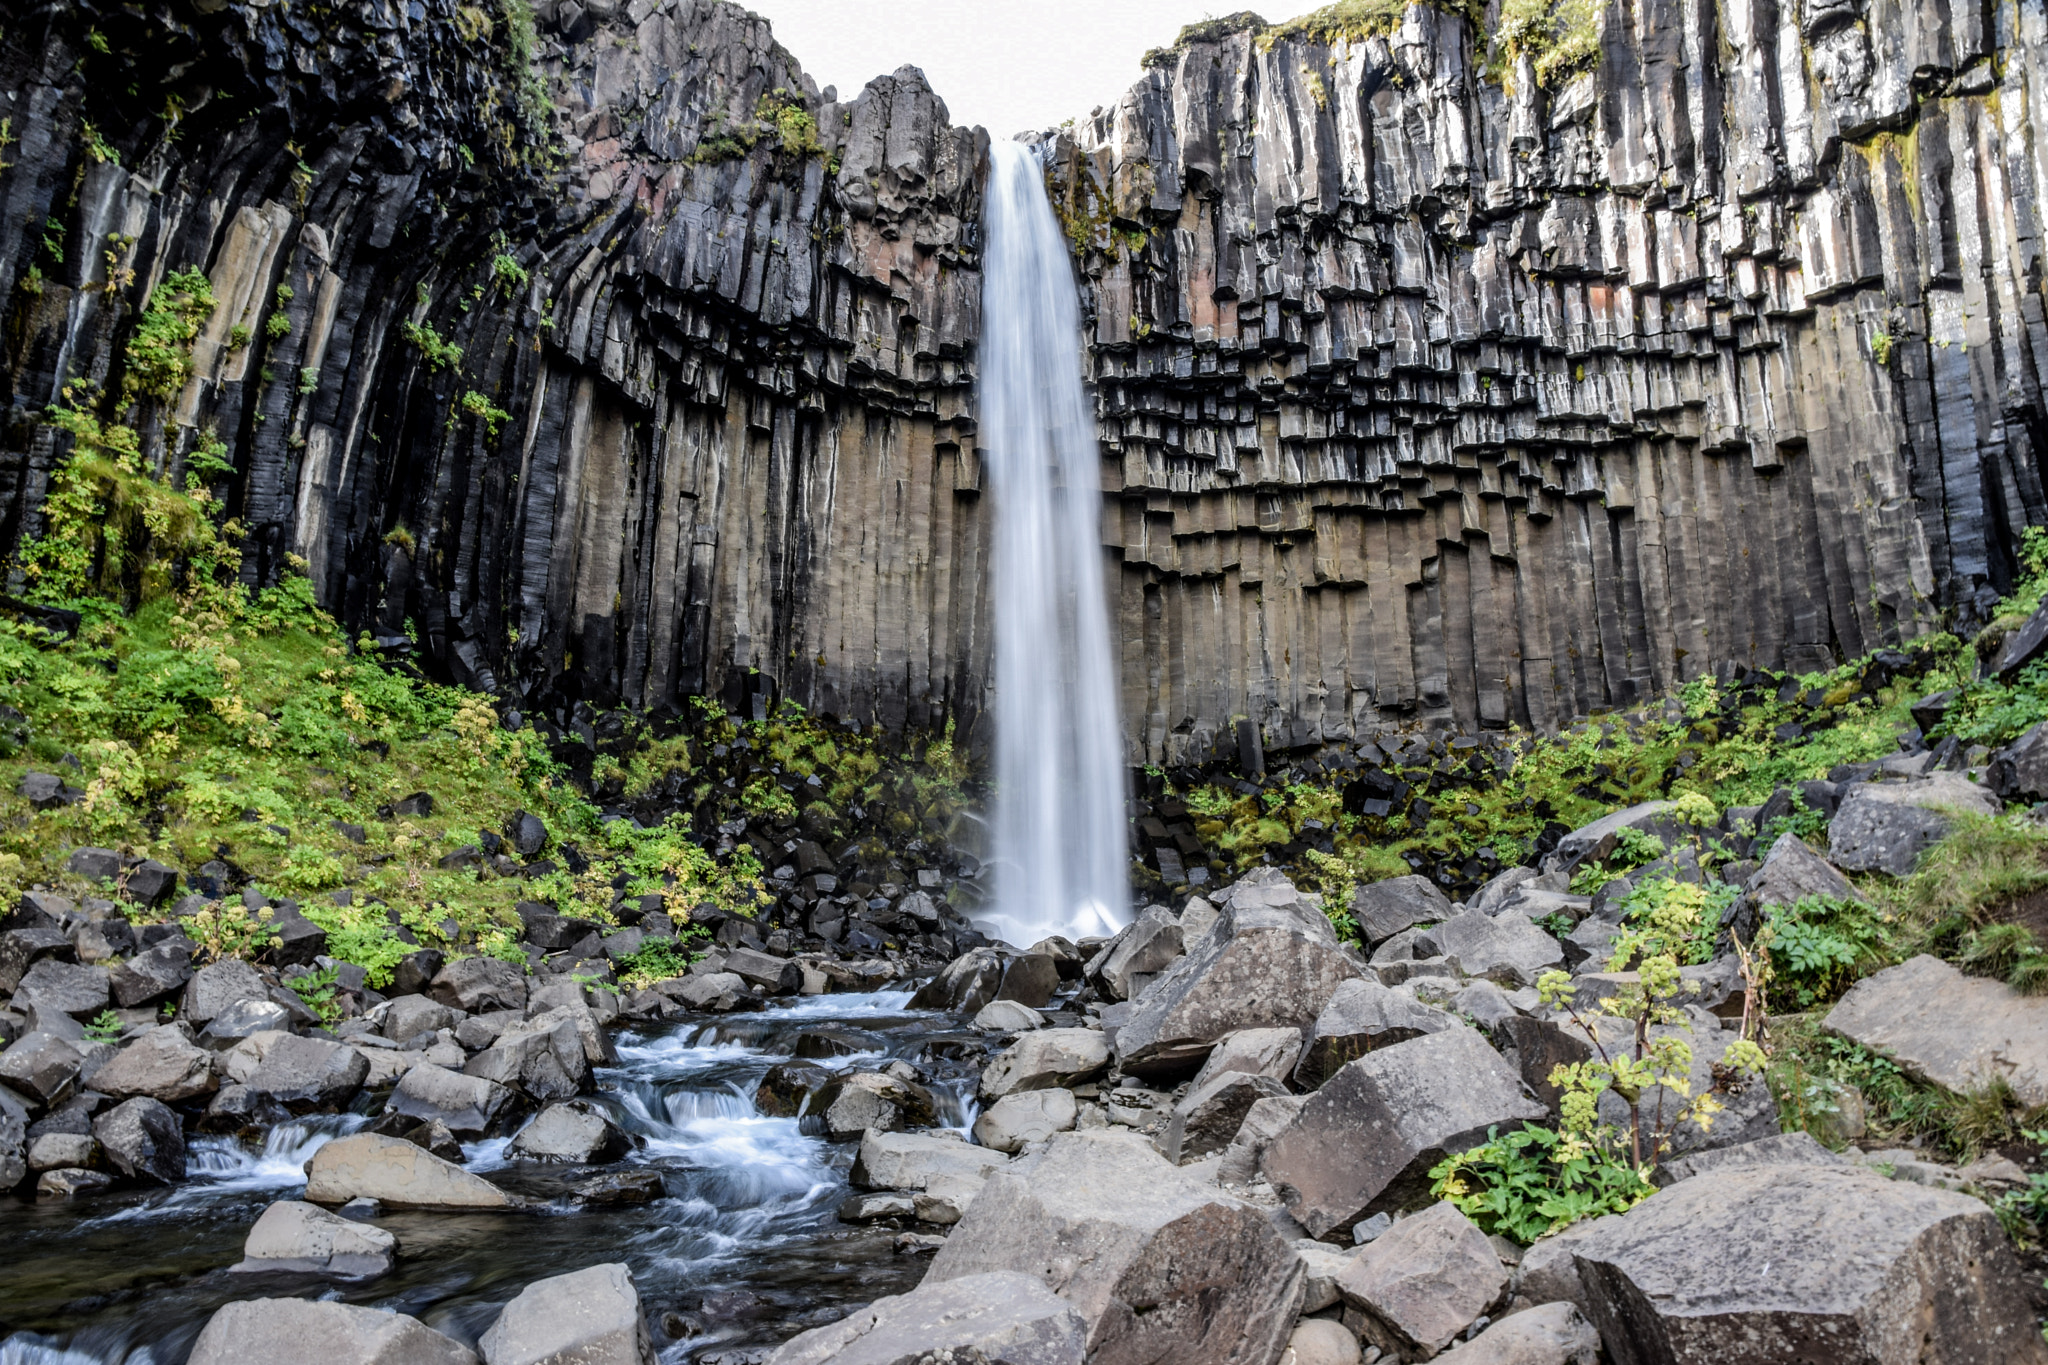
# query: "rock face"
591, 1317
1515, 365
1004, 1318
1158, 1265
1364, 1142
1877, 1269
1271, 960
1958, 1032
303, 1332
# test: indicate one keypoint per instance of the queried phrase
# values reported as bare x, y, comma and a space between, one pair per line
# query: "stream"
744, 1249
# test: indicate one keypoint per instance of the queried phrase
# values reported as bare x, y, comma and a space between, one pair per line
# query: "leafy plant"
1821, 944
1528, 1184
106, 1027
659, 959
439, 354
318, 990
160, 352
227, 930
492, 416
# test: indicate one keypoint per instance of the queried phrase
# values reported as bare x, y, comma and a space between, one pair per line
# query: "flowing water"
1059, 809
744, 1249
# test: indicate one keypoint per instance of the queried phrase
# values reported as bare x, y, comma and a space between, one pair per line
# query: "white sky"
1011, 66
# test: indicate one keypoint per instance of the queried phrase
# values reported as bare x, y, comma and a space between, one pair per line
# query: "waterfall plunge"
1059, 809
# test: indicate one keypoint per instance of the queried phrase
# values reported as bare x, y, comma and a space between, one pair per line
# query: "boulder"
1138, 954
1862, 1269
150, 976
1270, 1052
1007, 1016
410, 1016
466, 1104
775, 975
1549, 1334
871, 1099
1780, 1149
1955, 1031
2024, 645
577, 1132
787, 1089
65, 987
43, 1064
1886, 826
1360, 1016
968, 982
1027, 1116
143, 1140
1002, 1318
1509, 950
1319, 1341
397, 1173
1364, 1143
163, 1064
69, 1182
1264, 1121
547, 1058
1270, 961
1030, 979
2019, 771
1535, 1048
1383, 909
1423, 1281
306, 1074
715, 993
21, 949
1321, 1264
911, 1161
302, 1238
476, 984
215, 987
315, 1332
58, 1151
1208, 1117
246, 1019
1790, 870
1158, 1264
1045, 1059
589, 1317
1595, 842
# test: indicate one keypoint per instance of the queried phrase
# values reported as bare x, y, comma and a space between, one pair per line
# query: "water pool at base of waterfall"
744, 1249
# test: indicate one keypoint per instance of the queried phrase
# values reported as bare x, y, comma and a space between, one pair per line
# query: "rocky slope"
1426, 391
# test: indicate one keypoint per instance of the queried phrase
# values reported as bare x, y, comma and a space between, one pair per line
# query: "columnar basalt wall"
1428, 393
709, 429
1425, 392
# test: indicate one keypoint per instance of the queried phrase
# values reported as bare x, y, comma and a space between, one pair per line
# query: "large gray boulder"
43, 1064
1791, 870
1509, 950
1027, 1116
215, 987
872, 1099
1209, 1115
912, 1161
395, 1172
143, 1140
548, 1058
306, 1074
1160, 1265
714, 993
163, 1064
1548, 1334
1270, 961
410, 1016
476, 984
2019, 771
1861, 1269
1423, 1281
968, 982
310, 1332
1044, 1059
1955, 1031
467, 1105
589, 1317
1270, 1052
576, 1132
302, 1238
1360, 1016
1364, 1143
1137, 954
1886, 826
775, 975
150, 976
1384, 909
1002, 1318
65, 987
1595, 842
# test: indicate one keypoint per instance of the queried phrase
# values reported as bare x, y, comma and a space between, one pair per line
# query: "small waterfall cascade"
1059, 807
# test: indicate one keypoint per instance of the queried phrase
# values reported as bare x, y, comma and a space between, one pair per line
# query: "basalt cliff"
598, 351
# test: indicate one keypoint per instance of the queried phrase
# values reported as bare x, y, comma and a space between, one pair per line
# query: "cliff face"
1424, 391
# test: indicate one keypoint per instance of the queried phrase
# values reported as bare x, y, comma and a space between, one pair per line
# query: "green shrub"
1525, 1185
1821, 944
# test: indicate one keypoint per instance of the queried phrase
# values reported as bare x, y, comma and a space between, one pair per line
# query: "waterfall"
1059, 807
